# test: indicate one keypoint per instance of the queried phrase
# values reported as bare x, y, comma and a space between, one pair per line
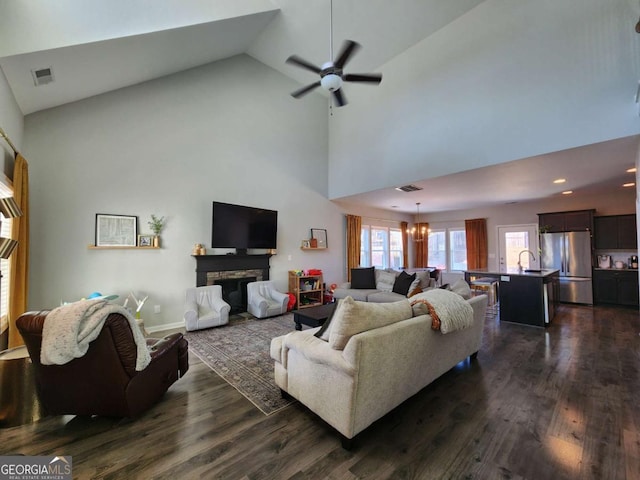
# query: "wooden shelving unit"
313, 248
308, 289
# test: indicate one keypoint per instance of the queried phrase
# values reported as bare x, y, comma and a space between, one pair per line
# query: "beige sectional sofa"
366, 370
383, 291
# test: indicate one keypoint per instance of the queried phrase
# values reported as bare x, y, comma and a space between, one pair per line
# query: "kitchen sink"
530, 270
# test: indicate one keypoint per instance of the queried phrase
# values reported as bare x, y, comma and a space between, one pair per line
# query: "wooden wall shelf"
94, 247
312, 248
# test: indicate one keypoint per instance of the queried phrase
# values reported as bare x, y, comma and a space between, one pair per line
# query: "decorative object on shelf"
145, 240
116, 230
306, 244
198, 249
320, 235
313, 242
156, 224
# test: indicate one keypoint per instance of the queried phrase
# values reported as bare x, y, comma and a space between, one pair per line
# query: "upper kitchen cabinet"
574, 221
616, 232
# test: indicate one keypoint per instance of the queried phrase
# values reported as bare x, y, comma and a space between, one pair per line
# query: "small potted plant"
156, 224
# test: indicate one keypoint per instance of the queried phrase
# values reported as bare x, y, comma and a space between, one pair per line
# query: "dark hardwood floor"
561, 403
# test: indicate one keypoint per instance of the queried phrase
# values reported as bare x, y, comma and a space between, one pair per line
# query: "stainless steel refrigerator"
570, 252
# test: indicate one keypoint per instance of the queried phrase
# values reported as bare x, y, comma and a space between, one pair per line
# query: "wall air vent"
409, 188
42, 76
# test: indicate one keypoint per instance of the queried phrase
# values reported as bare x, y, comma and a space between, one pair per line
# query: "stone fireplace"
232, 272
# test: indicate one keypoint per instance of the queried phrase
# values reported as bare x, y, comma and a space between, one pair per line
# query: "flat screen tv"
242, 227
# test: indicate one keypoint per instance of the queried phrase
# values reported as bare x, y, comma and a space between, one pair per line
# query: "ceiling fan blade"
363, 77
304, 90
301, 62
349, 47
339, 98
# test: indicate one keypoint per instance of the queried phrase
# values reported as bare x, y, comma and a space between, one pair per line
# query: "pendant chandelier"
418, 233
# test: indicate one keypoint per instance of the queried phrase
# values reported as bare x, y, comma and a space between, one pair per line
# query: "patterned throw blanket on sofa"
68, 330
449, 311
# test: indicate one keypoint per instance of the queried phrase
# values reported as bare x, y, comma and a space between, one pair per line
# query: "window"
437, 249
457, 249
381, 247
5, 264
365, 247
448, 249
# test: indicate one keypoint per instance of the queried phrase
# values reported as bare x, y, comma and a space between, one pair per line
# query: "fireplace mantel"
221, 263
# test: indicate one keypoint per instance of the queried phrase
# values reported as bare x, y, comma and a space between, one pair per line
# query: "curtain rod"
8, 140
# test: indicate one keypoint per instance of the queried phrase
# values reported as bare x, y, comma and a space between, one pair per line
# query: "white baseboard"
166, 326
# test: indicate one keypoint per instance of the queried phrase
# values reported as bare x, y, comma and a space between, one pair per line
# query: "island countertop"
483, 272
528, 298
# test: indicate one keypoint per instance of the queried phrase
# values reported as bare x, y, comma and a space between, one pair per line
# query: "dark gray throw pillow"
403, 282
363, 277
326, 324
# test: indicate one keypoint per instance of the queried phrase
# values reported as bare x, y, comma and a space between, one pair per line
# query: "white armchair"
263, 300
205, 308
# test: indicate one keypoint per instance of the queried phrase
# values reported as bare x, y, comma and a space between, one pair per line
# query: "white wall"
41, 24
505, 81
228, 131
12, 122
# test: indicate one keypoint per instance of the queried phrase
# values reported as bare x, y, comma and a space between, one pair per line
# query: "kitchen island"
529, 297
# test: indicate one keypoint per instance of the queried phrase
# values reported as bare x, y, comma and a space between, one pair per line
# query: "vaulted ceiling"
96, 47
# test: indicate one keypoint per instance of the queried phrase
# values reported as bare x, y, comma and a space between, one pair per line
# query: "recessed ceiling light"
631, 170
630, 184
567, 192
560, 180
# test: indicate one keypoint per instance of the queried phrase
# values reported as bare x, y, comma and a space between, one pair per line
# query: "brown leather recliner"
104, 381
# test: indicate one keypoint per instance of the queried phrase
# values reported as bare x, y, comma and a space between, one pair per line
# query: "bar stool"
486, 285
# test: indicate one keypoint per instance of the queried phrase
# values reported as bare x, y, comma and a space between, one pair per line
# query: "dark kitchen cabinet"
575, 221
616, 287
616, 232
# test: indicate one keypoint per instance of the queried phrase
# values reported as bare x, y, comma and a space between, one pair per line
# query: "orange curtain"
354, 227
19, 278
422, 246
405, 244
477, 248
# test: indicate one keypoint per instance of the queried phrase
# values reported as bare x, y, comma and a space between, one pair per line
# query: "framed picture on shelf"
305, 244
116, 230
145, 240
320, 235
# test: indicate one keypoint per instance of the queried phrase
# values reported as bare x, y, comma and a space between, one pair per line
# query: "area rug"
239, 353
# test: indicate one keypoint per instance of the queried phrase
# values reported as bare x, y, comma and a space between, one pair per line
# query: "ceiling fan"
331, 73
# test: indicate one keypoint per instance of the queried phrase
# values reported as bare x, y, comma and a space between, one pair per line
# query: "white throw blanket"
68, 330
453, 311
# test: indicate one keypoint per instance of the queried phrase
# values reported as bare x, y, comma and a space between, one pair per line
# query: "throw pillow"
415, 291
353, 317
323, 333
414, 285
424, 278
363, 278
385, 281
462, 288
403, 282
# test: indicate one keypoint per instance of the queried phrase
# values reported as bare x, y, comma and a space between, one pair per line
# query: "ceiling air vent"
42, 76
409, 188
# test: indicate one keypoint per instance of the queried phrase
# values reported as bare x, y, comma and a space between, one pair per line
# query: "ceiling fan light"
331, 82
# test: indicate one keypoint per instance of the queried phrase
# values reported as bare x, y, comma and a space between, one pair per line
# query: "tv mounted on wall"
242, 227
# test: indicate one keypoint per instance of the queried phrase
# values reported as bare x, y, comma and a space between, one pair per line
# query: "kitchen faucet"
533, 257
